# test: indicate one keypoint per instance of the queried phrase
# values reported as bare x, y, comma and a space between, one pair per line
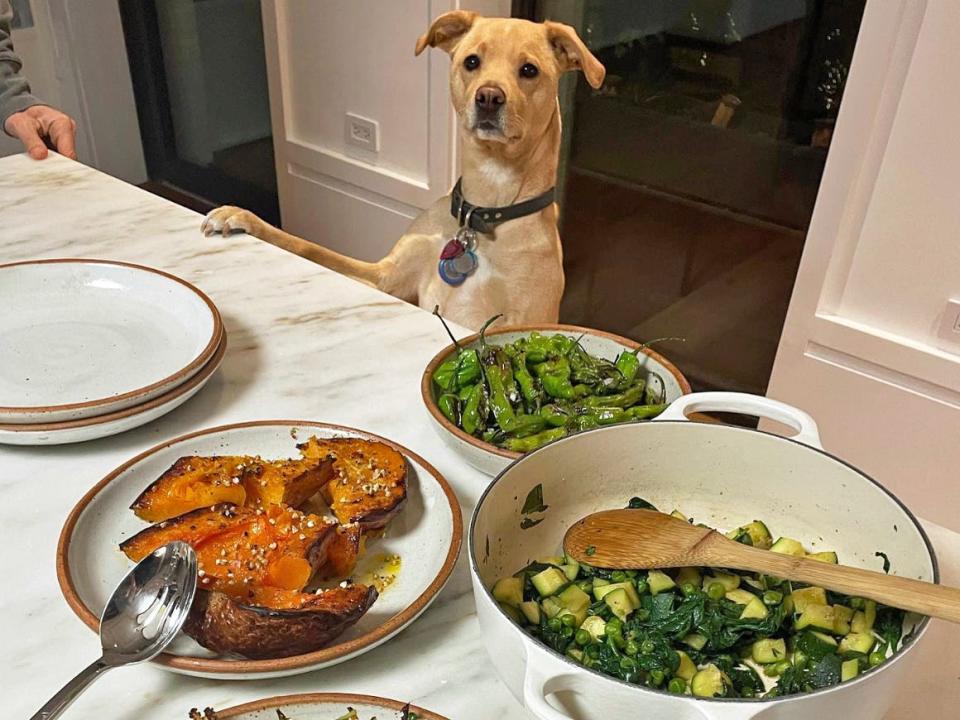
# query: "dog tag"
452, 249
465, 264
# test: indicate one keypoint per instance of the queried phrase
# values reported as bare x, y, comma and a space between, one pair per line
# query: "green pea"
614, 625
677, 686
656, 678
566, 632
569, 620
772, 597
716, 591
592, 651
857, 603
647, 647
641, 614
630, 573
554, 624
618, 576
632, 648
642, 587
627, 664
586, 586
688, 589
582, 637
876, 658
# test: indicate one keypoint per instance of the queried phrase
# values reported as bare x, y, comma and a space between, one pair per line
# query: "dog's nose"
490, 97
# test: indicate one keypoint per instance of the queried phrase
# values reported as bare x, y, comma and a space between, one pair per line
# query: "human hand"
35, 123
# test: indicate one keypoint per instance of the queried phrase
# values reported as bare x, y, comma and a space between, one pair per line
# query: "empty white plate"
80, 338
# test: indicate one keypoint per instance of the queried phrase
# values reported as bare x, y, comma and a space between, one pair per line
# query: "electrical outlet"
949, 332
362, 132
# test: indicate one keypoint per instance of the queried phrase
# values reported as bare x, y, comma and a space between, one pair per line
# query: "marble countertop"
305, 343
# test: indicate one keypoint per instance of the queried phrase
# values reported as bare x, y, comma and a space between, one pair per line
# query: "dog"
504, 79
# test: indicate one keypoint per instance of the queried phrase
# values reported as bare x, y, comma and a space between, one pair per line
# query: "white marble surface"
305, 343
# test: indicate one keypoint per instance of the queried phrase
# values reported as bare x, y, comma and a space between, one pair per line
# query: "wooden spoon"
642, 539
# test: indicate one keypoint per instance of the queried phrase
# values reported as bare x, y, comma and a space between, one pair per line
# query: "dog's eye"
471, 62
529, 71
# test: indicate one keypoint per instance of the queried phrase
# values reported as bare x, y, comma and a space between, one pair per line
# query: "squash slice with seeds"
196, 482
369, 484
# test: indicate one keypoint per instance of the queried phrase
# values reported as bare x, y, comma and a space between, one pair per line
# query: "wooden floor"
647, 265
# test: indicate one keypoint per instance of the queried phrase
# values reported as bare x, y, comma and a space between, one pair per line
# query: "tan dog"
503, 83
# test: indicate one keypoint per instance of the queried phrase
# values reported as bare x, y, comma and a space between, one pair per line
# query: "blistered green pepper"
529, 386
459, 371
471, 419
554, 415
641, 412
449, 405
526, 425
498, 372
534, 441
631, 396
629, 365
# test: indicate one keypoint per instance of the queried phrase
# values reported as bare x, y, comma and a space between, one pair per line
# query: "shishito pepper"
555, 415
449, 405
471, 419
642, 412
631, 396
532, 442
498, 373
526, 425
459, 371
529, 385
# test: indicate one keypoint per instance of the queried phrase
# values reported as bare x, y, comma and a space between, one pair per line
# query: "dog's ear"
573, 54
446, 31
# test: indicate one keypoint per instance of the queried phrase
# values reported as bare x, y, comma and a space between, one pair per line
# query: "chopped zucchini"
729, 582
658, 582
679, 515
571, 570
551, 606
788, 546
687, 669
806, 597
827, 557
842, 616
531, 611
689, 575
820, 617
754, 609
509, 590
556, 560
619, 603
815, 645
769, 650
576, 654
849, 669
857, 642
600, 592
600, 582
549, 581
741, 597
595, 625
695, 640
708, 682
862, 621
759, 535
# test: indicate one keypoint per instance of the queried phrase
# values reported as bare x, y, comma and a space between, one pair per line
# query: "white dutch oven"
722, 476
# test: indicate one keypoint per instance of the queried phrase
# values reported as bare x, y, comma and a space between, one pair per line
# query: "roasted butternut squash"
195, 482
240, 547
369, 483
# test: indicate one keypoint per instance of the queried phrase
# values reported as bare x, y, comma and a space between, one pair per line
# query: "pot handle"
535, 691
747, 404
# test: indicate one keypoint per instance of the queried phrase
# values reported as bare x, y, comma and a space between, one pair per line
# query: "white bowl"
490, 459
81, 338
722, 476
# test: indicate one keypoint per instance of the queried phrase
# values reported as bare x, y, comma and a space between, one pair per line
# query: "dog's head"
504, 72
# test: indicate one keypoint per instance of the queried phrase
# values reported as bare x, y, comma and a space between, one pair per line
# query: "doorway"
200, 82
689, 179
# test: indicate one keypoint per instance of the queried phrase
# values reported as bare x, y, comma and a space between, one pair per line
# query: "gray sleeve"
14, 88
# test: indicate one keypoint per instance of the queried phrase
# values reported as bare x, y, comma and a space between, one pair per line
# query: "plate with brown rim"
82, 338
491, 459
320, 706
90, 563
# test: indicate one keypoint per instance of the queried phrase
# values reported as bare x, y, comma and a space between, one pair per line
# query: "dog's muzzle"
487, 112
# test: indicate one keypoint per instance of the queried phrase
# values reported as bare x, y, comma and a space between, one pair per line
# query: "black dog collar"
486, 219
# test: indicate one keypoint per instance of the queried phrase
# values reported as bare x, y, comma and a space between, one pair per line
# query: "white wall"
75, 59
327, 59
860, 349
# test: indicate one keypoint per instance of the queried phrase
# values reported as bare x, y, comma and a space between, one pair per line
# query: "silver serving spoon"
144, 614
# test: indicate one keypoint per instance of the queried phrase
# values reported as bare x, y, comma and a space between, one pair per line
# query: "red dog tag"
451, 250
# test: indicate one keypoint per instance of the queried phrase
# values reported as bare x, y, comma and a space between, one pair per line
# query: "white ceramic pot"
490, 459
722, 476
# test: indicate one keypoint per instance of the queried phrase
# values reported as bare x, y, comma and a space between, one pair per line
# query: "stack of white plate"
90, 348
